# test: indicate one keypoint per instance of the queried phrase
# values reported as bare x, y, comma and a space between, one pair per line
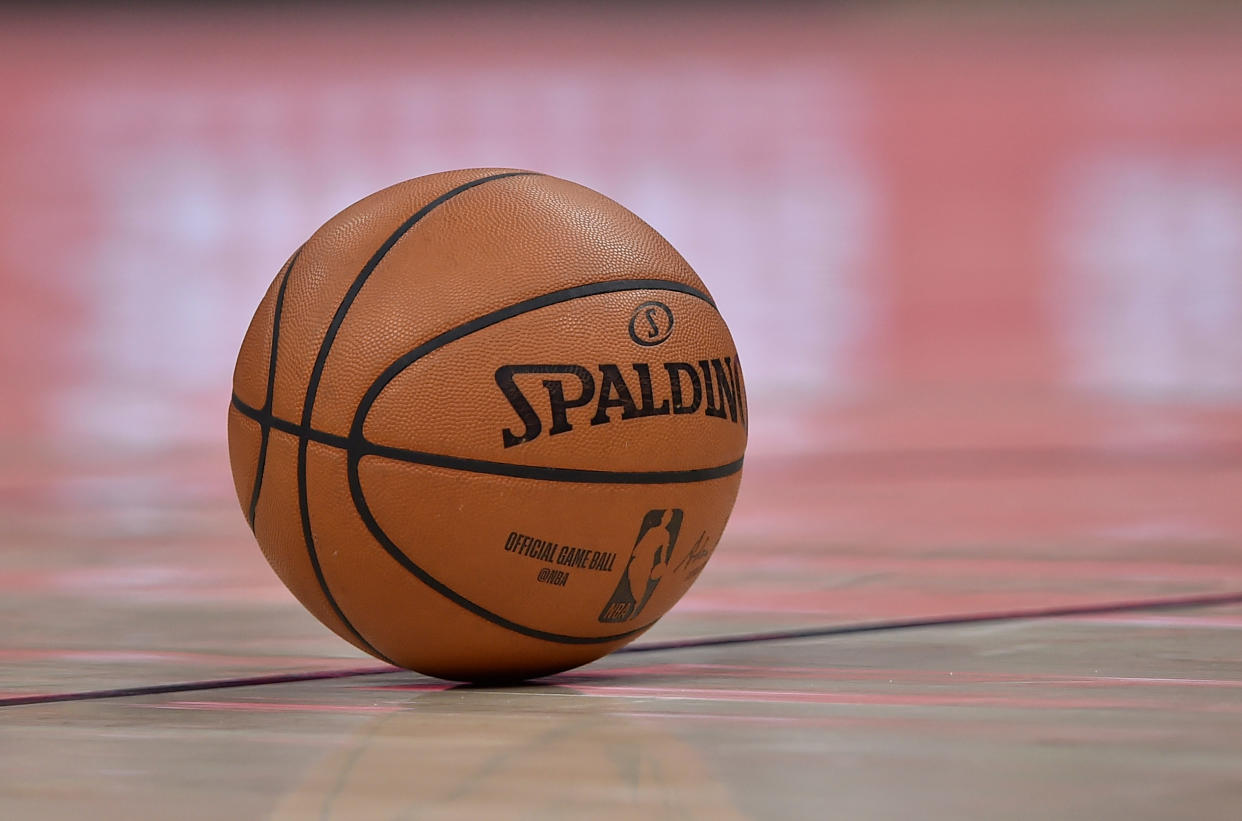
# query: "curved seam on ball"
542, 473
358, 446
265, 427
312, 388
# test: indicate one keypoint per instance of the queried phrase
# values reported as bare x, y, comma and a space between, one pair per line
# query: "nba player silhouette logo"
650, 558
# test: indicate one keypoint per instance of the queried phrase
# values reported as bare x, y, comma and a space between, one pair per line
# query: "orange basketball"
487, 425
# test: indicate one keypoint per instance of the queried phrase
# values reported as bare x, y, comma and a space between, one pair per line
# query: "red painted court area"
985, 276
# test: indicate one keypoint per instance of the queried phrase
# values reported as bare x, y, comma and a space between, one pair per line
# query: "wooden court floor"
1008, 609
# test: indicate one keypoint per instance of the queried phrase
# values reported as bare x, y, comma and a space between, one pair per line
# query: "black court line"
1209, 600
191, 686
1206, 600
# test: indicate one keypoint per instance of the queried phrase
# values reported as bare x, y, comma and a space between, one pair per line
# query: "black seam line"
312, 387
364, 510
359, 447
547, 474
1186, 602
266, 427
391, 548
505, 313
358, 444
552, 474
293, 428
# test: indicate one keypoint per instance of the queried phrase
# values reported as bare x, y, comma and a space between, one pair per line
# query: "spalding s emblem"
651, 323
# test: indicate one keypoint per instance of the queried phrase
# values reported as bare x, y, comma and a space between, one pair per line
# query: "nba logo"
651, 556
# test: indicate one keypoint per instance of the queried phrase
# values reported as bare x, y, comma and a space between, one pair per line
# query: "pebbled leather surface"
514, 558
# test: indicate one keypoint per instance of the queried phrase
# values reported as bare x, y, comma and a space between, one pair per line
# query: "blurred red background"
970, 229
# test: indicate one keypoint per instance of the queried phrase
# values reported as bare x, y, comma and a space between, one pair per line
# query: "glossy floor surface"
122, 576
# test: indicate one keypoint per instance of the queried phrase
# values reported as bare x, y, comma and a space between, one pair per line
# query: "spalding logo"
712, 387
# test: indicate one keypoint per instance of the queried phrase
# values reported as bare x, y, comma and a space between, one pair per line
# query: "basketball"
487, 425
